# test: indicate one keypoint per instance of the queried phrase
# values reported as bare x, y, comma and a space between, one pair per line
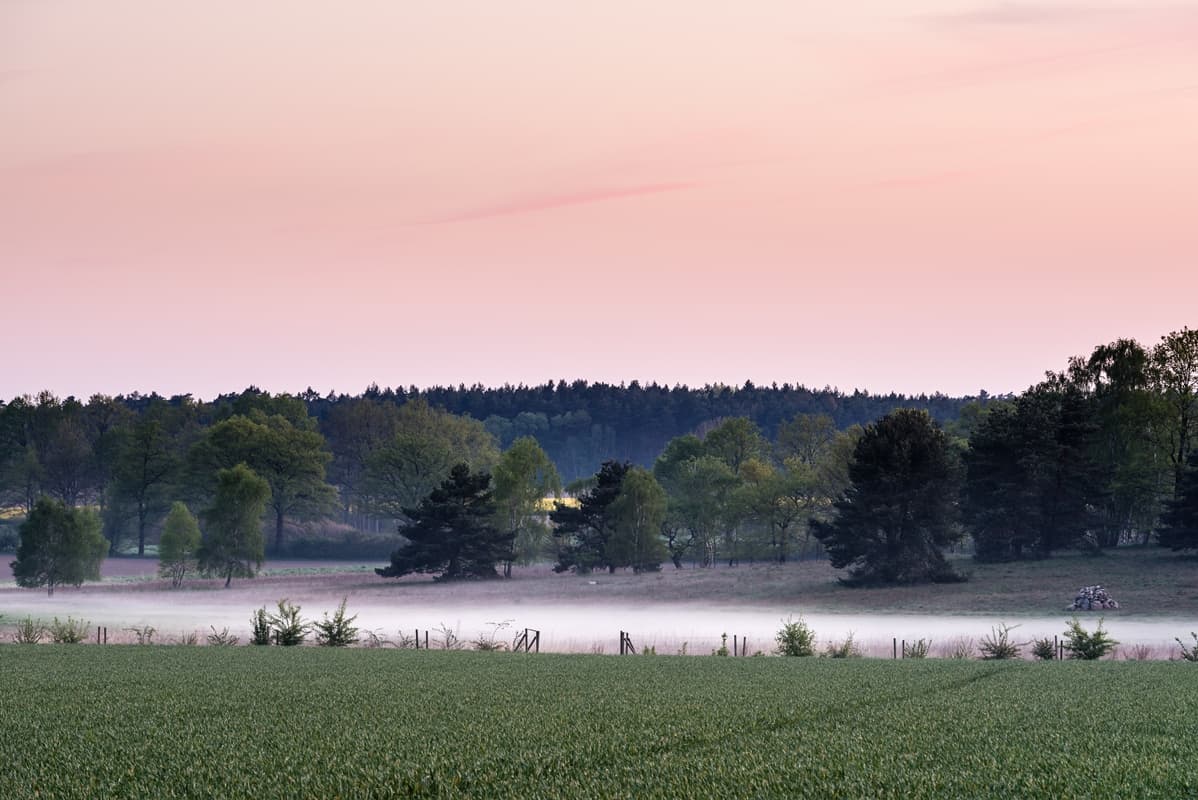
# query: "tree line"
1097, 455
360, 460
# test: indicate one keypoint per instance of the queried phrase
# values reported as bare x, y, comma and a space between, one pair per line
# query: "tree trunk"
229, 576
278, 532
141, 531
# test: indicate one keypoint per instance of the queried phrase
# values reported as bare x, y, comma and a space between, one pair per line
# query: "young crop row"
316, 722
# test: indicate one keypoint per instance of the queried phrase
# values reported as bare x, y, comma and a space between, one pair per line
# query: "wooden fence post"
894, 647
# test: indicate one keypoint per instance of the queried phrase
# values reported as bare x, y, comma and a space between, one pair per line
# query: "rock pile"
1092, 598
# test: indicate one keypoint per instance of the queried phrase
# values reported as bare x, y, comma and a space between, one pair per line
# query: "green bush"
339, 631
29, 631
846, 649
1044, 649
288, 627
997, 646
795, 638
70, 632
260, 627
1087, 646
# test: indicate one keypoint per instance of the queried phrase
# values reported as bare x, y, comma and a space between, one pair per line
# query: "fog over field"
558, 606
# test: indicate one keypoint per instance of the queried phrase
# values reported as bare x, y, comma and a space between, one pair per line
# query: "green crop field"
158, 722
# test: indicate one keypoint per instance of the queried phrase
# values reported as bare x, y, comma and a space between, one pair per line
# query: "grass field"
266, 722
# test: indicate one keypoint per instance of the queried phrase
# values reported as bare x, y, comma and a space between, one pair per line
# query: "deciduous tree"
59, 545
179, 545
232, 543
290, 459
636, 517
523, 478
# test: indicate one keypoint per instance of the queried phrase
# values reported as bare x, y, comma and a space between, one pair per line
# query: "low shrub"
288, 628
795, 638
1189, 653
958, 648
1081, 644
489, 641
997, 646
29, 631
144, 633
260, 627
1044, 649
846, 649
222, 638
70, 632
338, 630
917, 649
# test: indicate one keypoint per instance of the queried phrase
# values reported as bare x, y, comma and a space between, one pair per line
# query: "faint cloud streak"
551, 202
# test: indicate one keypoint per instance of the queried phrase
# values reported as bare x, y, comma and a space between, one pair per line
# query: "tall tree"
636, 516
232, 545
806, 438
1174, 371
180, 544
356, 428
1032, 484
701, 503
783, 501
1179, 523
20, 467
451, 531
523, 478
291, 460
735, 441
145, 469
59, 545
583, 530
898, 514
426, 444
1131, 423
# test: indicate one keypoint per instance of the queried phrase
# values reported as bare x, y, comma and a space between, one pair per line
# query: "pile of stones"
1092, 598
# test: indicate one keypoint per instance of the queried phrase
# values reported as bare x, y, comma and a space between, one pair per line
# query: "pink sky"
915, 195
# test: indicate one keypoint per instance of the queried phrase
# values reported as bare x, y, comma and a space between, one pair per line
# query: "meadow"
312, 722
1158, 592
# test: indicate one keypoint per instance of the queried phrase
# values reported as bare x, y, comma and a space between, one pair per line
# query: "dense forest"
1096, 455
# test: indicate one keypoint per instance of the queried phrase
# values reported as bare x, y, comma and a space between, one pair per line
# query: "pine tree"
451, 531
898, 513
582, 531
